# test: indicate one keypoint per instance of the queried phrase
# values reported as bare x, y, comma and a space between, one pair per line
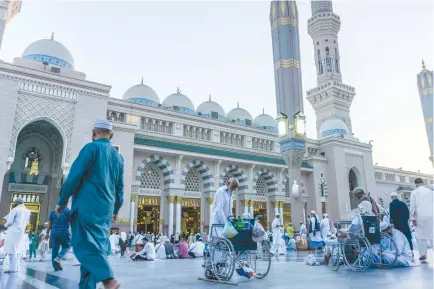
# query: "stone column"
132, 213
252, 212
210, 202
281, 210
246, 206
161, 226
170, 230
276, 207
178, 214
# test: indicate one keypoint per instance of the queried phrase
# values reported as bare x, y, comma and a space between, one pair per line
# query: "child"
32, 246
43, 248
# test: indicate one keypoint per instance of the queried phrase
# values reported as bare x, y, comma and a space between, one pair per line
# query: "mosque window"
262, 144
150, 177
232, 139
402, 179
155, 125
196, 132
287, 189
326, 40
378, 175
192, 181
412, 179
260, 187
320, 68
226, 178
390, 177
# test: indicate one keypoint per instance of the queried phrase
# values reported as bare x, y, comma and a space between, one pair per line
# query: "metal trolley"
361, 249
225, 254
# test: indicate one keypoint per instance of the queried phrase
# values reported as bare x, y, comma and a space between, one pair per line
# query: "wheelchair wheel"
387, 259
357, 254
262, 260
335, 258
223, 259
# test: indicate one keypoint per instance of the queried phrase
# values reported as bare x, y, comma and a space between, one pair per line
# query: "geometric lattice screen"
192, 181
151, 177
287, 189
260, 187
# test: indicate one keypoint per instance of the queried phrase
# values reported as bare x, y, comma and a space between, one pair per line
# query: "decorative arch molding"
269, 180
60, 113
237, 173
355, 163
204, 171
163, 165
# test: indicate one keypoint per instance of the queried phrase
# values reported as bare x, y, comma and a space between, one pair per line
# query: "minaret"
286, 56
331, 97
8, 9
425, 85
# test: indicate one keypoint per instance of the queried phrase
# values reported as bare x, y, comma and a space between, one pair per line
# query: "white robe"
16, 223
421, 210
221, 208
148, 251
325, 227
317, 237
160, 251
114, 242
278, 242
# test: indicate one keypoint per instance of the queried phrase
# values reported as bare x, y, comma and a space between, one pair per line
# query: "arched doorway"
36, 173
353, 183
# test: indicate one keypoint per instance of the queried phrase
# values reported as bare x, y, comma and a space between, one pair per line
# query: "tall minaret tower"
331, 98
8, 9
286, 56
425, 85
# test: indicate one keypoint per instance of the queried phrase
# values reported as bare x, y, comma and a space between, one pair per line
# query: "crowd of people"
96, 177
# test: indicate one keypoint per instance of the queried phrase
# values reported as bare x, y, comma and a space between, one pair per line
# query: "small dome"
209, 107
240, 116
179, 102
142, 94
51, 52
265, 122
333, 126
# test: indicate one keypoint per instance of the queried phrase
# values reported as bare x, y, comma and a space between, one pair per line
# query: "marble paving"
286, 272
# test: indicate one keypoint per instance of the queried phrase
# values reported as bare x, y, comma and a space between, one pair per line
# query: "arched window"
327, 51
328, 60
337, 60
320, 69
151, 178
192, 181
260, 187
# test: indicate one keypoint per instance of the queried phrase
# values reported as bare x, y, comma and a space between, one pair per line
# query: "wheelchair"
224, 254
364, 247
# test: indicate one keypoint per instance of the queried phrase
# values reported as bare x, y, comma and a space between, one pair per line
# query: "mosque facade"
176, 154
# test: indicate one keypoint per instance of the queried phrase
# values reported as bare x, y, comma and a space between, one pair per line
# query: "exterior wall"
8, 100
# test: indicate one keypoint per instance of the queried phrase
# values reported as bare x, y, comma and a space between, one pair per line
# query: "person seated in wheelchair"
388, 254
356, 228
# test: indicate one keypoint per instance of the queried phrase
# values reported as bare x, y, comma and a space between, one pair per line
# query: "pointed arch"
204, 171
237, 173
162, 164
269, 179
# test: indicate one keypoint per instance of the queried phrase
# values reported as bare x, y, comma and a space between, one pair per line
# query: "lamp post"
292, 137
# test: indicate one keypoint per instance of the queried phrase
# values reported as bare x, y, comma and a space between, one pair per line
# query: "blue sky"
224, 49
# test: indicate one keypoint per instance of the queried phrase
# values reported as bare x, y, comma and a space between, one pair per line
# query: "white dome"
333, 126
51, 52
240, 116
180, 101
206, 108
142, 94
266, 122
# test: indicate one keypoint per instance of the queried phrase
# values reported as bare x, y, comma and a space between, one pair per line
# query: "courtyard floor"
286, 272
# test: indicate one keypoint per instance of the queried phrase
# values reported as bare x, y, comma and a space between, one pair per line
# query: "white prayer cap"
313, 212
383, 226
394, 194
19, 201
325, 215
101, 123
277, 214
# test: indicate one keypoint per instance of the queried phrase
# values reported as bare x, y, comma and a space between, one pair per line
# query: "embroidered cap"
101, 123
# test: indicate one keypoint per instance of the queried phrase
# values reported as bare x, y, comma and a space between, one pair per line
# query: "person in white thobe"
303, 230
315, 239
326, 226
114, 243
147, 253
196, 249
222, 206
160, 250
278, 242
16, 223
421, 214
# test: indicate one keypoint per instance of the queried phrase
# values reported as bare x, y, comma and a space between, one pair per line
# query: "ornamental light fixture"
300, 124
282, 125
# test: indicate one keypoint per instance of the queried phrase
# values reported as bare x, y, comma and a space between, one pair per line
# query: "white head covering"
277, 214
325, 215
123, 236
365, 208
383, 226
101, 123
313, 212
394, 194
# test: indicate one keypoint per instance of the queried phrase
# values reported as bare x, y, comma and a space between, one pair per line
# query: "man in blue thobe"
60, 236
95, 182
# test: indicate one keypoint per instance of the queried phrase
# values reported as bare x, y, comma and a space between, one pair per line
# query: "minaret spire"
286, 56
426, 87
423, 64
323, 27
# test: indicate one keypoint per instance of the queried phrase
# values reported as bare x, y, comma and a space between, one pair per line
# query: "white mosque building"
178, 153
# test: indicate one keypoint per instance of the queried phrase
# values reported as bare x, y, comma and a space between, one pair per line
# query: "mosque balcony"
399, 176
47, 89
331, 92
323, 21
262, 144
